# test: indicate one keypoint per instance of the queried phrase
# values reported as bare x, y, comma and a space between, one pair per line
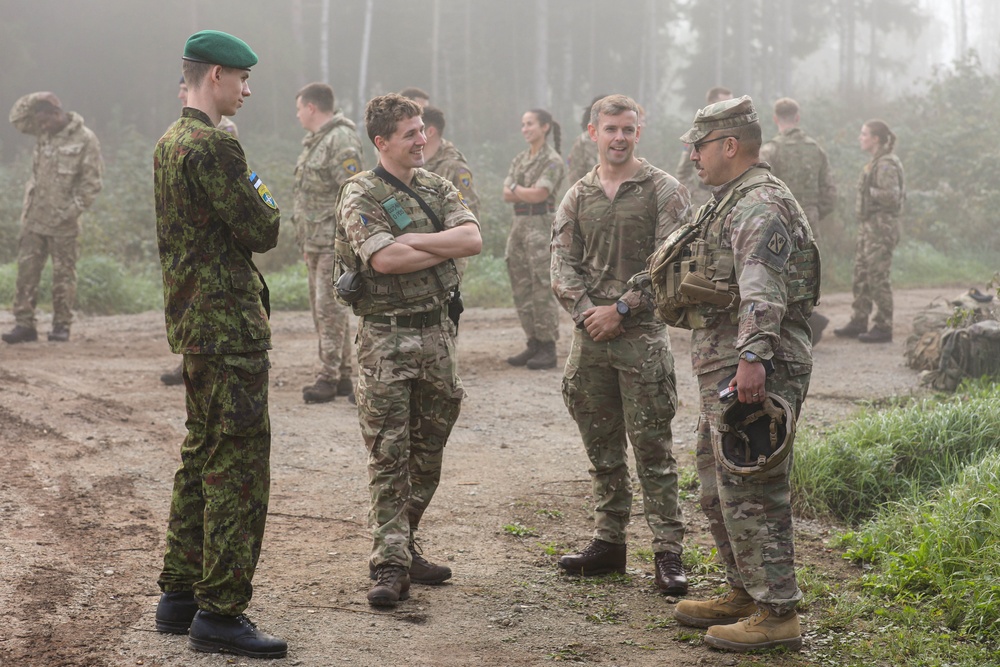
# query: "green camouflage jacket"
449, 163
582, 157
212, 213
599, 244
329, 157
545, 170
65, 179
802, 164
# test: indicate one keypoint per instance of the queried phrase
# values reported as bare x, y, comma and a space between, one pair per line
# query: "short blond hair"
786, 108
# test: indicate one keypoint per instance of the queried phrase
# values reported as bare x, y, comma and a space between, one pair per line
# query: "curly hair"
383, 113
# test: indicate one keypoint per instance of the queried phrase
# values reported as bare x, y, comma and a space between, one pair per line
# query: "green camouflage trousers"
409, 396
332, 319
32, 252
877, 239
528, 265
750, 517
219, 504
627, 385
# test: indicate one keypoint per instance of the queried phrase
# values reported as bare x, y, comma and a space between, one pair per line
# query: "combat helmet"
755, 437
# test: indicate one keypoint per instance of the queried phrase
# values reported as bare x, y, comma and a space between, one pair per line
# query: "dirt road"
90, 441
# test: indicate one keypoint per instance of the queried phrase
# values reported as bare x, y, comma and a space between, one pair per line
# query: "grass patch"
518, 530
899, 453
486, 284
289, 287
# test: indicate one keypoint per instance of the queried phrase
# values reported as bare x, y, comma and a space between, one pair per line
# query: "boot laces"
670, 563
387, 575
595, 548
416, 554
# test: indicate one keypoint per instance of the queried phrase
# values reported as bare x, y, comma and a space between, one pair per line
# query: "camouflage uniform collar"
447, 151
644, 173
792, 132
881, 153
719, 192
73, 125
191, 112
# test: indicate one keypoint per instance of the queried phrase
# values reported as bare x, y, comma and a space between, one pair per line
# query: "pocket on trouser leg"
243, 397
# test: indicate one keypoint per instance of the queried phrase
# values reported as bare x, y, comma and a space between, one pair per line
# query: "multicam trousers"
877, 239
331, 318
750, 517
627, 385
220, 496
528, 266
409, 397
32, 252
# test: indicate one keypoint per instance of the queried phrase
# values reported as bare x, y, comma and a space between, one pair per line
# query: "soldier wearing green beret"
212, 214
744, 279
65, 179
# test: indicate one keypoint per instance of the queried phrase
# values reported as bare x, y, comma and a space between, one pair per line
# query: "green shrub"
105, 287
882, 457
289, 287
486, 283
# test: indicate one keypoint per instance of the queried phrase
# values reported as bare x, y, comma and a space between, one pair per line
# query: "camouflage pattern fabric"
212, 213
331, 318
527, 252
449, 163
881, 192
219, 503
330, 156
33, 250
227, 125
409, 397
750, 517
582, 157
627, 384
762, 231
409, 393
802, 164
66, 176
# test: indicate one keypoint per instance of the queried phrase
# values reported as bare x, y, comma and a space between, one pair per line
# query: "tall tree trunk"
542, 53
961, 28
720, 40
366, 38
873, 50
848, 23
435, 50
324, 42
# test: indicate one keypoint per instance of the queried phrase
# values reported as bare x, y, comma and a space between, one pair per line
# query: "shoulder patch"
465, 178
773, 246
461, 200
262, 191
351, 166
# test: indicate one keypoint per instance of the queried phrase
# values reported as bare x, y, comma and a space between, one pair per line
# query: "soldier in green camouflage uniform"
534, 177
65, 179
442, 158
331, 154
583, 153
752, 241
409, 393
881, 192
619, 377
212, 214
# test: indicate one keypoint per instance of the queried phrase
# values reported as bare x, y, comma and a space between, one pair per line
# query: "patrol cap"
22, 114
219, 48
721, 116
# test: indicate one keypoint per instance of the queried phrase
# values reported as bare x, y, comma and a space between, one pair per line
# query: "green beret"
219, 48
721, 116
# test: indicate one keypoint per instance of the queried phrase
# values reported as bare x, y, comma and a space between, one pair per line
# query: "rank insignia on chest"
777, 243
262, 191
396, 212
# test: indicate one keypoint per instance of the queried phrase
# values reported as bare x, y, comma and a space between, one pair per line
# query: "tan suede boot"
728, 608
762, 630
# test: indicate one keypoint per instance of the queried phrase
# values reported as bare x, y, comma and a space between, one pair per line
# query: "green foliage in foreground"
899, 453
942, 551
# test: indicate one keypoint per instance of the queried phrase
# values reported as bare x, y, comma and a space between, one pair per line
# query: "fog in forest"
117, 62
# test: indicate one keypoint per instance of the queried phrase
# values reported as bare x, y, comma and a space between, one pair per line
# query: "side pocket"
243, 394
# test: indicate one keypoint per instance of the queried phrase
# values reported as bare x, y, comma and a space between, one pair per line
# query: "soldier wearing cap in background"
176, 376
331, 154
65, 179
212, 214
700, 193
744, 278
799, 161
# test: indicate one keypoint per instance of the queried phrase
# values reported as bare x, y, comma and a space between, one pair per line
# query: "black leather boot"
175, 611
598, 557
215, 633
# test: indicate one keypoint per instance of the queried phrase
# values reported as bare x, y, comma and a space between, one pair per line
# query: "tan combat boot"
728, 608
762, 630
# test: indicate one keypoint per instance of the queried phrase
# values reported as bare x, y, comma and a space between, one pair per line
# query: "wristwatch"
622, 308
749, 356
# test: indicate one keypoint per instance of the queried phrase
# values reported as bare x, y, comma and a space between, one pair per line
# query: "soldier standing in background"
881, 192
442, 158
620, 374
65, 178
418, 95
401, 228
700, 193
176, 376
331, 154
753, 247
212, 214
534, 178
583, 153
801, 163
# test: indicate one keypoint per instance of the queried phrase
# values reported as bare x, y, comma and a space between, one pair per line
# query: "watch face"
622, 308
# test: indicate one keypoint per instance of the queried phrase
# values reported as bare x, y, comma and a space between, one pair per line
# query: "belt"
415, 321
533, 209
